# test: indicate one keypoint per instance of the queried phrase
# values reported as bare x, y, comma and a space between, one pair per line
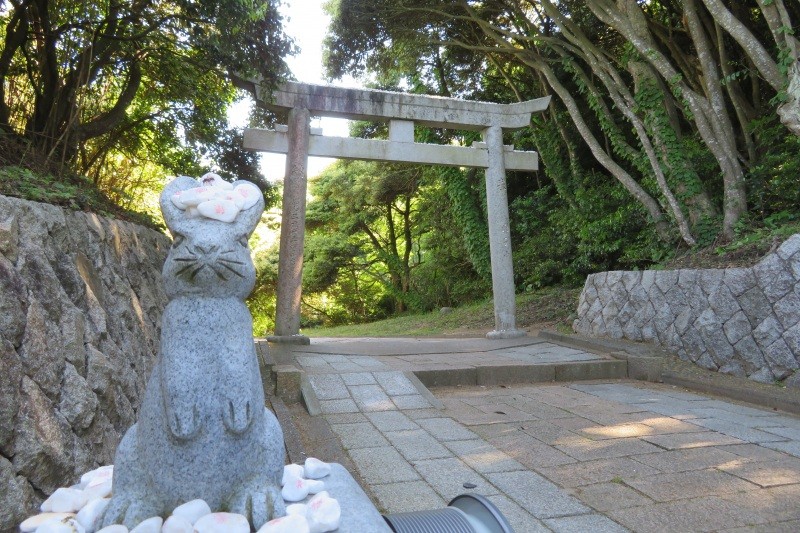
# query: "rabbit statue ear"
248, 217
172, 214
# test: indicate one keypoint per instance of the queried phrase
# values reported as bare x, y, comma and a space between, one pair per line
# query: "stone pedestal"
358, 513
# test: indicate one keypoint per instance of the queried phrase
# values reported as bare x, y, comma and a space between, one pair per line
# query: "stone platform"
603, 455
358, 513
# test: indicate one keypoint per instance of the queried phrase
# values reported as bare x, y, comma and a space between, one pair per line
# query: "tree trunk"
714, 129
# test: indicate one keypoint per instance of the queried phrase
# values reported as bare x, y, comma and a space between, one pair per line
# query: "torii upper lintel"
426, 110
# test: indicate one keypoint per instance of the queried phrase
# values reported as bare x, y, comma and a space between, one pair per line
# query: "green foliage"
467, 209
261, 301
774, 180
125, 93
779, 225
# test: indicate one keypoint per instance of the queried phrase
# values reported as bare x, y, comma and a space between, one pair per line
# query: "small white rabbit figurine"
202, 429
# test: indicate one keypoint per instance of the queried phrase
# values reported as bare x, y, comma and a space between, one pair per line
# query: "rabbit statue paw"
237, 414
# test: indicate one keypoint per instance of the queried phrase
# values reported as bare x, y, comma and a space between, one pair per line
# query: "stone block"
723, 302
750, 354
648, 280
789, 248
683, 320
693, 343
707, 321
666, 279
613, 277
638, 296
768, 331
417, 445
382, 465
288, 385
645, 368
649, 332
411, 401
775, 277
663, 320
681, 485
10, 382
78, 403
393, 421
446, 429
676, 297
683, 441
737, 327
13, 303
605, 294
519, 518
503, 375
448, 475
591, 370
371, 398
395, 383
705, 360
482, 457
328, 386
645, 314
792, 338
43, 446
359, 435
763, 375
739, 280
610, 313
448, 377
630, 279
781, 360
404, 497
631, 331
594, 522
709, 280
626, 313
337, 406
19, 499
537, 495
598, 326
718, 346
599, 279
733, 368
787, 309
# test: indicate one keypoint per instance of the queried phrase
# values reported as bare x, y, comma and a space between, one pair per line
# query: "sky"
307, 23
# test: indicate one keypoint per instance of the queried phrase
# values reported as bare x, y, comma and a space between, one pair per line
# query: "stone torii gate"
402, 110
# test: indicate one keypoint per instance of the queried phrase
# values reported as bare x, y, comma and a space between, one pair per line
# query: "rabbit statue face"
209, 257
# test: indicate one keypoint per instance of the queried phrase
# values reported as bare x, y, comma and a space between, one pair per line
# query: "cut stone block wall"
740, 321
80, 313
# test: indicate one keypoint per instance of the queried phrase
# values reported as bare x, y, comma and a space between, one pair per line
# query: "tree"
367, 206
98, 86
617, 67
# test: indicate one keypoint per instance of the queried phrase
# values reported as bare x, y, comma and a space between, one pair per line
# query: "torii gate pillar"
503, 294
293, 222
403, 111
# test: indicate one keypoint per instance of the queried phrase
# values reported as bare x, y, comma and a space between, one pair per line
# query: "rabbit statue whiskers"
202, 429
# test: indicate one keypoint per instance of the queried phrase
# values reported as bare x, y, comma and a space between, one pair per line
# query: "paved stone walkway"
578, 456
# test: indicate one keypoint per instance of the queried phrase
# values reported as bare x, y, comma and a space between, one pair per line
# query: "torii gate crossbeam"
402, 111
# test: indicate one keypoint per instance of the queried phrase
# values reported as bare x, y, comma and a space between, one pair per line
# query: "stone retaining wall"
80, 312
740, 321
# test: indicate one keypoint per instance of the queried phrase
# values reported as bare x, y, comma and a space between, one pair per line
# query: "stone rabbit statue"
202, 429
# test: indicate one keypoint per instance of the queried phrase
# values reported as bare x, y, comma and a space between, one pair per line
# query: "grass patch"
67, 190
551, 307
